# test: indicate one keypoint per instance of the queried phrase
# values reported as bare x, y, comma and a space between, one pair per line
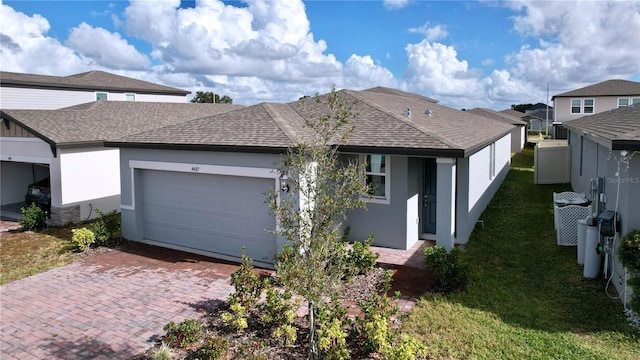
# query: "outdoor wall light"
284, 184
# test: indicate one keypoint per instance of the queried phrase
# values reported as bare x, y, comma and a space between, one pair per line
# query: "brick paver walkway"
114, 305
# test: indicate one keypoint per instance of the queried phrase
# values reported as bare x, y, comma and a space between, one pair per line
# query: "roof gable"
614, 87
92, 80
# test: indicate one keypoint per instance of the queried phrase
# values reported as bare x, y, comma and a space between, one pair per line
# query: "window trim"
623, 98
106, 94
579, 106
387, 179
584, 106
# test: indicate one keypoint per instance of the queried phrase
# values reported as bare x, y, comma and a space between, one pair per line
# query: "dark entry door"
429, 191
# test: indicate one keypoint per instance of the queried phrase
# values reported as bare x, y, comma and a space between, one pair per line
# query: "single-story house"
606, 147
536, 123
200, 185
519, 131
66, 145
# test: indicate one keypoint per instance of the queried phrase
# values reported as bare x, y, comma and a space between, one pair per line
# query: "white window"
130, 97
589, 106
377, 173
628, 101
623, 102
101, 96
576, 106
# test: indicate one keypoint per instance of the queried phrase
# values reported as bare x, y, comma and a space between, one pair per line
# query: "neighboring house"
593, 99
540, 119
31, 147
607, 146
31, 91
534, 123
519, 131
200, 185
66, 145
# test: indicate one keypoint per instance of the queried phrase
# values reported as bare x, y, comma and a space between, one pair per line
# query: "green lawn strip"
526, 297
27, 253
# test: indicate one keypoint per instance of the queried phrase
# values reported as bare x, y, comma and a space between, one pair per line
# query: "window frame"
623, 98
635, 100
571, 106
492, 161
130, 94
106, 96
386, 199
584, 106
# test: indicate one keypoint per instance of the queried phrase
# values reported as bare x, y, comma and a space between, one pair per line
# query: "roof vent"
428, 112
407, 113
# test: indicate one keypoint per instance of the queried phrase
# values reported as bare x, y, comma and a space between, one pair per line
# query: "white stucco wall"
480, 178
88, 174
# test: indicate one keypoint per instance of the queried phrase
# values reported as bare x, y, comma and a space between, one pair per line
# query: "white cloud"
487, 62
267, 39
360, 72
27, 48
580, 43
105, 48
437, 32
396, 4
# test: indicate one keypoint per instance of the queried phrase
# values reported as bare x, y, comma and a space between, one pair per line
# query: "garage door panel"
215, 213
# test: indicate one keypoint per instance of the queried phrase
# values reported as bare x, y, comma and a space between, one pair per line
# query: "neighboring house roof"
389, 91
514, 113
92, 80
542, 114
618, 129
614, 87
513, 120
380, 126
98, 121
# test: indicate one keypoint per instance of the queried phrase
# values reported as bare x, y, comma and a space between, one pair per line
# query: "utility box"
552, 162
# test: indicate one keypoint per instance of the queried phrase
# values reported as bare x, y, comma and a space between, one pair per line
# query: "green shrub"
450, 275
82, 238
332, 320
629, 255
373, 327
107, 226
33, 218
629, 250
214, 347
248, 285
184, 333
163, 352
360, 258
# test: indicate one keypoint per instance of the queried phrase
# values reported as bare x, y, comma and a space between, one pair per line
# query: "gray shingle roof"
498, 116
105, 120
614, 87
380, 125
92, 80
620, 128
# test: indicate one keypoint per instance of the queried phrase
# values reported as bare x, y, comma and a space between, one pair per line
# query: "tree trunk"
313, 344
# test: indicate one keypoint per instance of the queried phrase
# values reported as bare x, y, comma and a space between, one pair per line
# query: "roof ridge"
284, 125
418, 126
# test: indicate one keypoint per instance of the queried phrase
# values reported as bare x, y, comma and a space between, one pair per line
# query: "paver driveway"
114, 305
107, 306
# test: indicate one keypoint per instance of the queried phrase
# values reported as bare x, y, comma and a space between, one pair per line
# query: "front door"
429, 181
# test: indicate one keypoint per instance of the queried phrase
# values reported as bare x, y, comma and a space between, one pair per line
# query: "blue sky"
464, 53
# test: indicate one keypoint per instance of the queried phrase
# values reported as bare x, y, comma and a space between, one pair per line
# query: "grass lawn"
527, 298
27, 253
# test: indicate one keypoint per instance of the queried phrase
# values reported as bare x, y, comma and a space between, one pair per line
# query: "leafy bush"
237, 317
332, 336
214, 347
450, 275
248, 285
33, 218
360, 258
629, 255
107, 226
82, 238
184, 333
629, 250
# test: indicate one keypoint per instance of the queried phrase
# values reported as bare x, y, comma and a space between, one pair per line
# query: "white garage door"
213, 213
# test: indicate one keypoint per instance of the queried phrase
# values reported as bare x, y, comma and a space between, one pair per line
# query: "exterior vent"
428, 112
407, 113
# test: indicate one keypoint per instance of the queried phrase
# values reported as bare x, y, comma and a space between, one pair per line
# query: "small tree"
210, 97
322, 188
